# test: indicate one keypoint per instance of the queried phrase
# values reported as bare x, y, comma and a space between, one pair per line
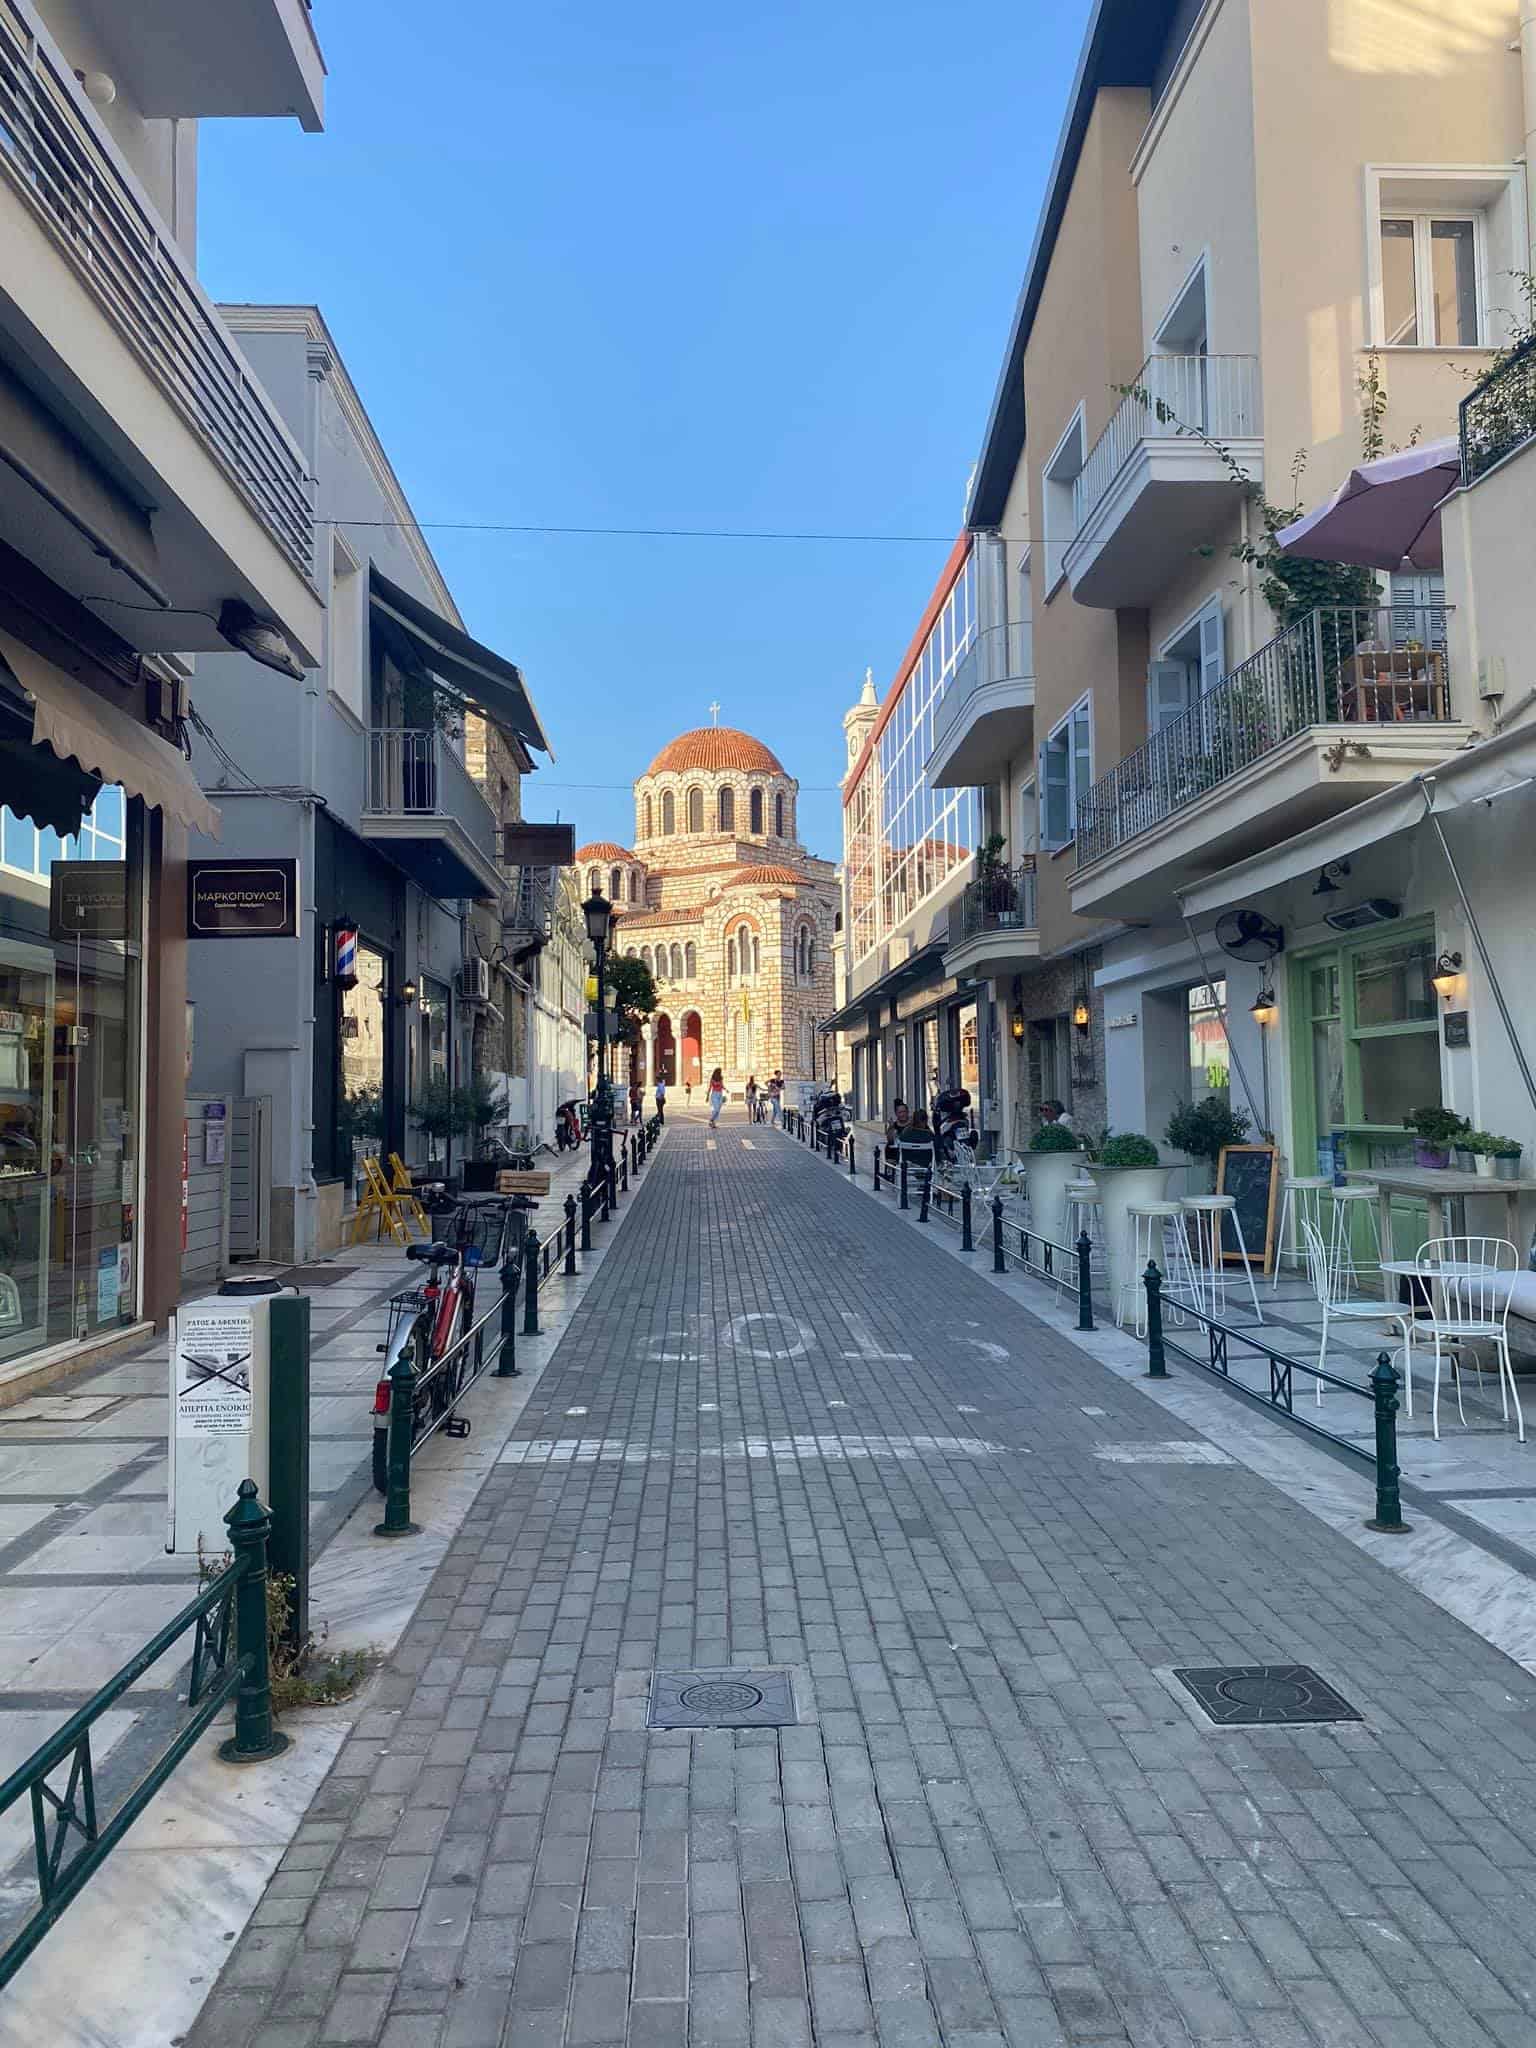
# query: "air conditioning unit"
1359, 917
475, 980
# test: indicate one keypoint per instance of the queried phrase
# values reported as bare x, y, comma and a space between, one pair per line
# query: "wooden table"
1382, 688
1436, 1186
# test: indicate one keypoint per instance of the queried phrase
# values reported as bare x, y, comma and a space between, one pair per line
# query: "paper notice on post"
214, 1345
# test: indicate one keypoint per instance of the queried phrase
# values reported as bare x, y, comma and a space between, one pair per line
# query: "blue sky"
611, 266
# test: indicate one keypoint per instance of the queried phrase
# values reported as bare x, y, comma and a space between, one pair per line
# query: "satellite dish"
1249, 935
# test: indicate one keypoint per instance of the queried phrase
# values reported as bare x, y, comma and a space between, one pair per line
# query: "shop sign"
526, 845
344, 939
1458, 1028
242, 899
215, 1343
88, 899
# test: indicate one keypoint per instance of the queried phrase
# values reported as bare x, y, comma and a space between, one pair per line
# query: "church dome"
749, 877
711, 747
601, 849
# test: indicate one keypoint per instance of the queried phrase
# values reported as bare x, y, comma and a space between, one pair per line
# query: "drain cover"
1266, 1695
722, 1699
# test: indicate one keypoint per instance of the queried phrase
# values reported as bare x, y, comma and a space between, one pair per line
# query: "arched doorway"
693, 1047
663, 1051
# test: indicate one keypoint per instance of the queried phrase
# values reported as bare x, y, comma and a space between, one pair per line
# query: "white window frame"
1058, 497
1198, 276
346, 665
1425, 192
1077, 785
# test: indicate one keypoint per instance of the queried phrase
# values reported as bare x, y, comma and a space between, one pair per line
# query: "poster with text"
214, 1344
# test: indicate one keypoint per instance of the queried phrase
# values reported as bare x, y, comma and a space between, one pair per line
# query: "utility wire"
649, 532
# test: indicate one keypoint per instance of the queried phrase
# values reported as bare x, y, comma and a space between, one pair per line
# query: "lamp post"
598, 912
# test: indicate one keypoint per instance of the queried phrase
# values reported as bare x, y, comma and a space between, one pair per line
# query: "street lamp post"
598, 912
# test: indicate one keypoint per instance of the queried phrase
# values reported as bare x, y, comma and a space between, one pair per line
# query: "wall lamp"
1262, 1008
1329, 875
409, 990
1446, 978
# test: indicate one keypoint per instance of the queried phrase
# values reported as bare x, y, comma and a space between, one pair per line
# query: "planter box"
1430, 1155
1119, 1188
1048, 1174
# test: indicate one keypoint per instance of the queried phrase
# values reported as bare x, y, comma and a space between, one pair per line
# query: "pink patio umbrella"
1385, 515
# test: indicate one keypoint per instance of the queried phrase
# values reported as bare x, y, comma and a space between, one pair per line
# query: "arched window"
730, 957
755, 956
677, 963
594, 881
668, 814
727, 810
691, 961
648, 817
695, 810
756, 811
810, 952
778, 814
634, 886
645, 958
616, 885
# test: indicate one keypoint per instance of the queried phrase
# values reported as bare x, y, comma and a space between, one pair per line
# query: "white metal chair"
1354, 1197
1210, 1270
1302, 1203
1469, 1280
1321, 1273
1157, 1232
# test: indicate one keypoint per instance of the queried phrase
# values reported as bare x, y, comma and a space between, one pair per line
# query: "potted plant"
998, 895
439, 1110
1056, 1157
1498, 1158
1435, 1131
1465, 1152
1128, 1172
1204, 1129
482, 1104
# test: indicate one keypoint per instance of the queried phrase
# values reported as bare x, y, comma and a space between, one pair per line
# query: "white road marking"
961, 1409
782, 1449
575, 1411
996, 1353
1094, 1411
748, 1145
739, 1329
710, 1145
1176, 1453
861, 1334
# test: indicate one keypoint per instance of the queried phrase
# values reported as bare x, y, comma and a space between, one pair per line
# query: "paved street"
782, 1432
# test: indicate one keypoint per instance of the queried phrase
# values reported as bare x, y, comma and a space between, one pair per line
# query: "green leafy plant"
1203, 1129
634, 993
1489, 1145
1127, 1148
1435, 1126
439, 1108
1055, 1138
481, 1104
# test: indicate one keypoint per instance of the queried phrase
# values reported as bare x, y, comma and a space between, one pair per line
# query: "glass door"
26, 1144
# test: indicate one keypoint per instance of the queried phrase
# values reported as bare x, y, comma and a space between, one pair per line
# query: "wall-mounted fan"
1249, 935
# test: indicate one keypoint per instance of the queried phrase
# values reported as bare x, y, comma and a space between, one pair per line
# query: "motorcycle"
567, 1126
828, 1119
954, 1134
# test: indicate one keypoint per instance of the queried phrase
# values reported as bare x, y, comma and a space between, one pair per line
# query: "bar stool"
1210, 1273
1151, 1235
1303, 1203
1348, 1201
1084, 1212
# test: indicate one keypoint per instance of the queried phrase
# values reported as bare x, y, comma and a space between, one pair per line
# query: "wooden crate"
510, 1181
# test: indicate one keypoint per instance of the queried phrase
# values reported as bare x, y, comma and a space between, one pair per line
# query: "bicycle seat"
433, 1254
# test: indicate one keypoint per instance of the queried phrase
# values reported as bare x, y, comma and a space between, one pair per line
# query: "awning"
493, 685
1476, 775
78, 725
915, 968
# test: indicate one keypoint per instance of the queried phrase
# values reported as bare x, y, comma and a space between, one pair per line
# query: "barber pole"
346, 955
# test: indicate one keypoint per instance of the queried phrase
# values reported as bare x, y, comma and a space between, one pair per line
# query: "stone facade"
732, 915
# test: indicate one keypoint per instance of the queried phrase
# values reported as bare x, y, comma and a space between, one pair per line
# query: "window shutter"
1081, 777
1418, 609
1055, 799
1213, 649
1167, 693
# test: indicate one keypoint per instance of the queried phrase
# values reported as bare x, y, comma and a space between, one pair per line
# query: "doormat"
721, 1699
314, 1276
1266, 1695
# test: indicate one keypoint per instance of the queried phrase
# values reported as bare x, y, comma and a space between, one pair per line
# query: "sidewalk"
787, 1432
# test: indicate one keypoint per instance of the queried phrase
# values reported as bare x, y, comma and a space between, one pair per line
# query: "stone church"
733, 917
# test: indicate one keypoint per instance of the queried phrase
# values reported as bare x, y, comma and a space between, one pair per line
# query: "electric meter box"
220, 1408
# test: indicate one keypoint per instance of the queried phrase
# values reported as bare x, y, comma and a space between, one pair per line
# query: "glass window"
1429, 281
1398, 1073
1392, 985
969, 1047
362, 1050
1399, 284
1210, 1062
1453, 279
695, 810
668, 812
1066, 776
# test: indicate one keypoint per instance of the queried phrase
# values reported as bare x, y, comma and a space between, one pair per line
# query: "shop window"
363, 1092
1210, 1061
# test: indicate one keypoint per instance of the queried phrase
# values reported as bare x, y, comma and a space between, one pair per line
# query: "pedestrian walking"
688, 1094
661, 1101
776, 1095
636, 1102
751, 1098
716, 1097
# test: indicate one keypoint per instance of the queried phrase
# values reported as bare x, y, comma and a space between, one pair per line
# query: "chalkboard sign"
1251, 1173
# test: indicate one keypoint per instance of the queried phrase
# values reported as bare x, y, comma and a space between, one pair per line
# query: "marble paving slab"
65, 1469
118, 1538
16, 1520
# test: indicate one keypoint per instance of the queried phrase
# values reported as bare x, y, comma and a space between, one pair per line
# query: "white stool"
1151, 1235
1083, 1212
1303, 1204
1210, 1273
1347, 1202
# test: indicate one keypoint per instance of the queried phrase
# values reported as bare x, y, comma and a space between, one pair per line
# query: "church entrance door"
664, 1051
693, 1047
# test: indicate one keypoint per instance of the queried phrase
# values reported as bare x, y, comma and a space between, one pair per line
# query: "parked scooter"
567, 1126
828, 1119
954, 1134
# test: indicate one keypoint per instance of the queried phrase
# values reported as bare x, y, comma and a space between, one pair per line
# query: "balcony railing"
1173, 398
998, 654
1499, 414
528, 906
415, 773
1343, 665
62, 163
1001, 900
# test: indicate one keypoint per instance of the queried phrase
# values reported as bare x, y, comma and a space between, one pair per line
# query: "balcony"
994, 924
988, 711
131, 369
187, 60
1343, 703
1162, 475
424, 810
527, 911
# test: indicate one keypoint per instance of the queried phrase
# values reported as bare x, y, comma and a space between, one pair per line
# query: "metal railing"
1499, 415
528, 906
1172, 398
1000, 900
997, 654
70, 1838
1340, 665
61, 161
413, 771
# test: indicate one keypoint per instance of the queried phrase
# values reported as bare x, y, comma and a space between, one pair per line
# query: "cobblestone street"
783, 1433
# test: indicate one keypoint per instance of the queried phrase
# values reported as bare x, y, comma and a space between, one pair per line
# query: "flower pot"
1429, 1155
1119, 1187
1507, 1169
1484, 1164
1466, 1162
1049, 1173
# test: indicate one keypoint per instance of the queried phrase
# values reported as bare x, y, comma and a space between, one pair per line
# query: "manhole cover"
1272, 1695
721, 1699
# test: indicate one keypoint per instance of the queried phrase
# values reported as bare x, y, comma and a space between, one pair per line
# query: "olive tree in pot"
483, 1103
439, 1110
1056, 1156
1204, 1129
1435, 1131
1128, 1173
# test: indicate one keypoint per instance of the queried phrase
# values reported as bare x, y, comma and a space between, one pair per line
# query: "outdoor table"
1436, 1186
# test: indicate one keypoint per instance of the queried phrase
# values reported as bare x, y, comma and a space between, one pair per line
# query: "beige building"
733, 917
1275, 239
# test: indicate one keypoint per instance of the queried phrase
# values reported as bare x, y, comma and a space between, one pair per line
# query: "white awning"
1479, 774
78, 725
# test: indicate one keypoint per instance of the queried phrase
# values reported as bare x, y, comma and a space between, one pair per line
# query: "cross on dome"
714, 713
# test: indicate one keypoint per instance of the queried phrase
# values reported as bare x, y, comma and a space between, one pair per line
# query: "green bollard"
1389, 1503
1157, 1363
255, 1739
397, 1496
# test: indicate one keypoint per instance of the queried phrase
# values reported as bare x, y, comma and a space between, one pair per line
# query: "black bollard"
570, 1237
1388, 1519
1084, 1281
531, 1283
852, 1167
506, 1357
586, 1217
397, 1495
926, 1195
255, 1738
624, 1169
877, 1169
1157, 1364
967, 1240
905, 1204
999, 1262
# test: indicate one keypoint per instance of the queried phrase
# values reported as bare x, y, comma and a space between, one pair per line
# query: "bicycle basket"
403, 1310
